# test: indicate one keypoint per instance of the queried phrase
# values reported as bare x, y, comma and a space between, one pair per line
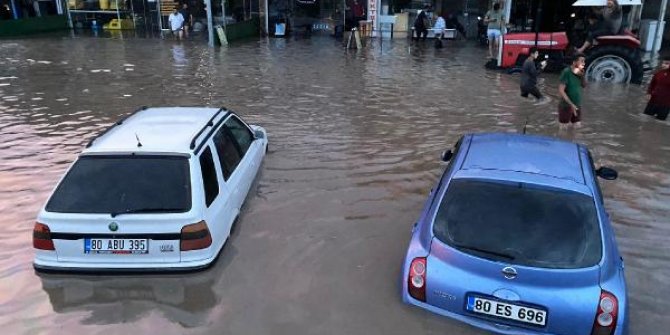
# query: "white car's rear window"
124, 184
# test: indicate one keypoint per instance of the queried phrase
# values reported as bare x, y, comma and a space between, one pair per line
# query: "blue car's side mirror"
607, 173
258, 134
446, 156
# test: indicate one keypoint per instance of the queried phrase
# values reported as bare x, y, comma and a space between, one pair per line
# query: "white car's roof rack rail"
90, 143
211, 124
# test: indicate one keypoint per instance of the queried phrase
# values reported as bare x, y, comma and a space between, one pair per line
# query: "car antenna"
525, 125
139, 144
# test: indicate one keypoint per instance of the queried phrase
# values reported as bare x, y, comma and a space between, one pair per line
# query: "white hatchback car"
158, 190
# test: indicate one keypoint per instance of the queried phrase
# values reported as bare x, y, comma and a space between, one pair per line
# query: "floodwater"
355, 139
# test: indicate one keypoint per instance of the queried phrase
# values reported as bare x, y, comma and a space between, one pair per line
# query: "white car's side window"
209, 180
229, 154
241, 133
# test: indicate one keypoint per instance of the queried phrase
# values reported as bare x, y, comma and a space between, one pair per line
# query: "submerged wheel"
614, 64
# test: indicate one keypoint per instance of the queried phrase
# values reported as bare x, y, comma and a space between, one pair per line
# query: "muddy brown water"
354, 144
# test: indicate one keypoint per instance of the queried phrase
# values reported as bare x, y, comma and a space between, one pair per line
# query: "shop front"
306, 17
18, 17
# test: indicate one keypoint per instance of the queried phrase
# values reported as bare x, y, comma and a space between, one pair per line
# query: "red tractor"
612, 59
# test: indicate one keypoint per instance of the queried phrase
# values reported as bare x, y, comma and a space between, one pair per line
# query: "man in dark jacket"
421, 25
529, 73
659, 92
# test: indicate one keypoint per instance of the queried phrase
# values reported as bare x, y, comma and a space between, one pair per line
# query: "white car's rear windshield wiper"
148, 210
495, 253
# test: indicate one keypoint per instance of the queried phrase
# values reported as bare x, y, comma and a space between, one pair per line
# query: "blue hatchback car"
515, 239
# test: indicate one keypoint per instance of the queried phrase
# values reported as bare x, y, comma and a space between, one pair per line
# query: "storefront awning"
602, 3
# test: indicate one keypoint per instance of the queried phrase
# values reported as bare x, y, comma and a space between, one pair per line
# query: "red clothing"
659, 88
358, 9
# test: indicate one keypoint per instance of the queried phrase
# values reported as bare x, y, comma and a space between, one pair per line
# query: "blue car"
514, 239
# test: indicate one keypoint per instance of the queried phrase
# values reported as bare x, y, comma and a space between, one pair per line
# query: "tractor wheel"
614, 64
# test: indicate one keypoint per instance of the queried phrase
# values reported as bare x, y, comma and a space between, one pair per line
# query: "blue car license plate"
507, 310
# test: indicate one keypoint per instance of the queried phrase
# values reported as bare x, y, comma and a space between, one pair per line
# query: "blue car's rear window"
124, 184
520, 224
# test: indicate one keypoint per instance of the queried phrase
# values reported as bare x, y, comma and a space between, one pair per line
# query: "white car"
158, 190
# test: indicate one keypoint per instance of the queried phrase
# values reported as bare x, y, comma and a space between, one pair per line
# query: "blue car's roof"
525, 153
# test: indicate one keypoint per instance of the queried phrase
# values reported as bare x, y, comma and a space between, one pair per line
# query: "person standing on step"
495, 19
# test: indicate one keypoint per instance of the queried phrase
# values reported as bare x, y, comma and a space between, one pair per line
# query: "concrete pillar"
263, 11
659, 31
15, 12
210, 23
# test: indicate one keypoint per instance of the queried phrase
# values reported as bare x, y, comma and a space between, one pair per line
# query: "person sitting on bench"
439, 27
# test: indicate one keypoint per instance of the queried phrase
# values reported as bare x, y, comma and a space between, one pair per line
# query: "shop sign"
372, 14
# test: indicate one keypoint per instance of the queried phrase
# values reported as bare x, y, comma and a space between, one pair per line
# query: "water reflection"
185, 299
355, 139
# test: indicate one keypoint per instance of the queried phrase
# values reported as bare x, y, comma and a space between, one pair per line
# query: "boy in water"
570, 89
529, 73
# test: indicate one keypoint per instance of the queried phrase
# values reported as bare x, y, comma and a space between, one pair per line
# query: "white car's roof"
168, 129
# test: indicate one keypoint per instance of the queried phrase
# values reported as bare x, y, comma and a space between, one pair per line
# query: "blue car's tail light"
606, 316
416, 282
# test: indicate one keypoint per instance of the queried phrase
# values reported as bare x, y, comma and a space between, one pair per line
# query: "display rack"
116, 11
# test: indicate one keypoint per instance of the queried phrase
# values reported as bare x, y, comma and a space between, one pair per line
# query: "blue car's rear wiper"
495, 253
148, 210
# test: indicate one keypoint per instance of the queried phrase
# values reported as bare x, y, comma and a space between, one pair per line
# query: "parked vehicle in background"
613, 58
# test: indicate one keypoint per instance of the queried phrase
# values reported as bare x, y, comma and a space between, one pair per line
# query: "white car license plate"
116, 246
507, 311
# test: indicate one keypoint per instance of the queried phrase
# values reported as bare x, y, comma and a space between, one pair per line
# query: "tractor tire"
614, 64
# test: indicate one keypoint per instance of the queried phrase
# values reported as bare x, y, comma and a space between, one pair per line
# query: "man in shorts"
177, 23
495, 20
570, 89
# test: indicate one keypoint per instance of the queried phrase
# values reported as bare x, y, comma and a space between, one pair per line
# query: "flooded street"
355, 139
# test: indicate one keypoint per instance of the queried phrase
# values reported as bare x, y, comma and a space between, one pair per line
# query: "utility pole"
210, 22
659, 27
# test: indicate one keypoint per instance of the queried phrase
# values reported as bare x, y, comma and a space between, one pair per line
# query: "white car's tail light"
42, 237
416, 283
606, 316
195, 236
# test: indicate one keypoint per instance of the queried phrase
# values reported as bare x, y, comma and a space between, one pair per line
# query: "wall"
650, 10
244, 29
33, 25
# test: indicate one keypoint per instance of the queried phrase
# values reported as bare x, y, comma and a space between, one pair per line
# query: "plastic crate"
123, 24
